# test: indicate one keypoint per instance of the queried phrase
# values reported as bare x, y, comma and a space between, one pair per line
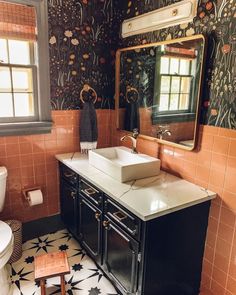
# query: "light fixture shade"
175, 14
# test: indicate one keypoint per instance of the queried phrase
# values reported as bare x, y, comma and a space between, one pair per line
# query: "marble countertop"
147, 198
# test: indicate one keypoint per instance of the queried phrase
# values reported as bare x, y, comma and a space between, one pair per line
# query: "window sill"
25, 128
173, 118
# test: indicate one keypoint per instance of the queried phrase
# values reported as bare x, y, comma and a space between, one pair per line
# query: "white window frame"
41, 122
33, 68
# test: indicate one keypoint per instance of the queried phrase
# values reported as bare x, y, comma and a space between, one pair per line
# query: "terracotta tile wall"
30, 161
211, 165
186, 129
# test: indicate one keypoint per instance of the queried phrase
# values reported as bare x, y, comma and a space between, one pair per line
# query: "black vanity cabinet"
121, 246
90, 219
161, 256
69, 197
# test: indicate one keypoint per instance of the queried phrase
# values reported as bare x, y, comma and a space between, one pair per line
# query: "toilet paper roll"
35, 197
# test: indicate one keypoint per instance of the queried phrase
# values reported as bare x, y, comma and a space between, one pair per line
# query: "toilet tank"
3, 181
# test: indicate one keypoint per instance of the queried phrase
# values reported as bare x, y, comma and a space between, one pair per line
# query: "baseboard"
40, 227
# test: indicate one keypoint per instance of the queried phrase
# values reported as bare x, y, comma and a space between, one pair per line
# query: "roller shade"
17, 21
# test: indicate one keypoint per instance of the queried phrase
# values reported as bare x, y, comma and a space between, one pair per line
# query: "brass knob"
73, 195
106, 223
97, 215
174, 12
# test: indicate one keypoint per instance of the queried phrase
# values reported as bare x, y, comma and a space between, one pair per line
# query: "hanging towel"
132, 116
88, 127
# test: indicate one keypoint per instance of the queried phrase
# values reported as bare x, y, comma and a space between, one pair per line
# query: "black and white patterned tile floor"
85, 278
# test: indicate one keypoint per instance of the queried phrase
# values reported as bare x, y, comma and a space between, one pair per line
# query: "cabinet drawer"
123, 218
92, 193
69, 175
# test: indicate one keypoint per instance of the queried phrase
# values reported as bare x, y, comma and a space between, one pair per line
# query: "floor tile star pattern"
85, 278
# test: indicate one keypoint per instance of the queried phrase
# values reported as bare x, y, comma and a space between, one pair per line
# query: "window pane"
175, 85
19, 52
3, 51
174, 102
164, 102
23, 104
184, 67
185, 84
164, 65
165, 84
6, 107
5, 79
184, 102
174, 66
22, 80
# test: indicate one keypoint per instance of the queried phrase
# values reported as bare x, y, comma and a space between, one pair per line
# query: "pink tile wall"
30, 161
213, 166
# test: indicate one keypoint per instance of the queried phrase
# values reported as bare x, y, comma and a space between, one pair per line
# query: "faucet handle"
135, 132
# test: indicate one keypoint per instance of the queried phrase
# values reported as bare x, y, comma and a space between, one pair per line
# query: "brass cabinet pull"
97, 215
120, 215
89, 191
68, 174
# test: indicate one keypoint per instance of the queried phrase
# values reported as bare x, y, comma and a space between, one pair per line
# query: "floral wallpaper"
217, 20
80, 51
137, 76
84, 35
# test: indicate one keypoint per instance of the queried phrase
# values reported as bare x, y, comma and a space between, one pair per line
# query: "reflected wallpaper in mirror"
158, 87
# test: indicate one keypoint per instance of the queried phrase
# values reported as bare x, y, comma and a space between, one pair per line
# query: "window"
24, 72
175, 84
17, 81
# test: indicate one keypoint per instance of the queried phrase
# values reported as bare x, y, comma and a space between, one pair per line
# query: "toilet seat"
6, 240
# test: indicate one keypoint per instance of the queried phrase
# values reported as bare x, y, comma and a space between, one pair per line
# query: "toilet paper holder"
25, 191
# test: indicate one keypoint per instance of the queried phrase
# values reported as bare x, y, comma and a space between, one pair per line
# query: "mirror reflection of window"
175, 84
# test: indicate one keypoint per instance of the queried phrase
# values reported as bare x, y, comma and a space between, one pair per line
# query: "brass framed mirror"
158, 88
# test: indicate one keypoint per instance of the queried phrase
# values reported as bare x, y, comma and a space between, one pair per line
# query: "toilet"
6, 240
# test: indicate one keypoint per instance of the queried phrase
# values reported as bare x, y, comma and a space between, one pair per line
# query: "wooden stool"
51, 265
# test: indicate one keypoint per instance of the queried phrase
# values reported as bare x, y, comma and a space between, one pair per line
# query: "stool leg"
42, 285
63, 287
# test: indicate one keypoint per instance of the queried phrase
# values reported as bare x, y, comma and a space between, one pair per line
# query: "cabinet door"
120, 257
90, 229
69, 206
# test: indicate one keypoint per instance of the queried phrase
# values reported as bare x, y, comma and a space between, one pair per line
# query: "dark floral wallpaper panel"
84, 35
80, 51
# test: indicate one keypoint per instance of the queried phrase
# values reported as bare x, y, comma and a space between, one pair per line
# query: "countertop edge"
211, 195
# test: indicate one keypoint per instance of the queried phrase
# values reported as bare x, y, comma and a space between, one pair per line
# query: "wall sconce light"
175, 14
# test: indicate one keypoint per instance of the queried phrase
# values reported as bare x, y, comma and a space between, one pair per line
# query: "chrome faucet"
133, 138
161, 133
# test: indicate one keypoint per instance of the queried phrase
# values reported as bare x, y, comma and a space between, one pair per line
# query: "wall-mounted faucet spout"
133, 138
161, 133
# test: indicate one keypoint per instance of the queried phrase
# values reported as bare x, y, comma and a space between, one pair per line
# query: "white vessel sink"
122, 165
